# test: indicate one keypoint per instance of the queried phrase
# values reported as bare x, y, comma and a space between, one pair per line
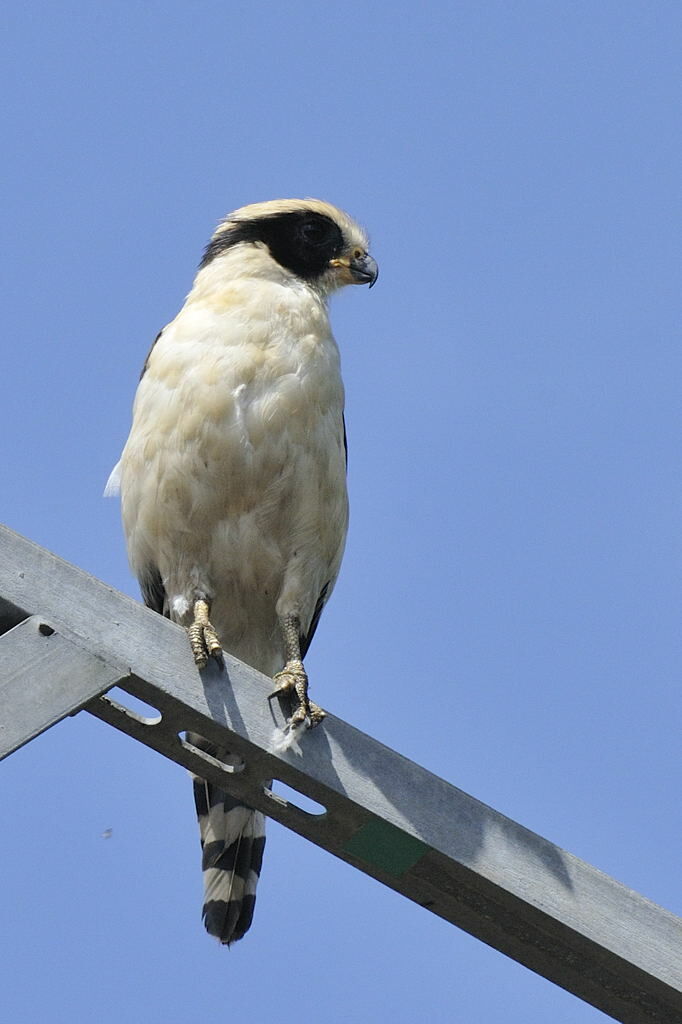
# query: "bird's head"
308, 238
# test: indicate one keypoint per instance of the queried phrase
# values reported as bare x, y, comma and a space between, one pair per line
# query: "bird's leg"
203, 638
293, 678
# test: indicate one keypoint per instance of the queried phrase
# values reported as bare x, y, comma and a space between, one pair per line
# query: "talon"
316, 714
293, 680
286, 679
280, 691
203, 638
298, 718
196, 642
213, 644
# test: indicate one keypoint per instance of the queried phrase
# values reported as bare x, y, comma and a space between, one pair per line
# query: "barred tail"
232, 841
232, 835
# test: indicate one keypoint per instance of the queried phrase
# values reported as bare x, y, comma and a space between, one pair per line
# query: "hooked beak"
361, 269
364, 270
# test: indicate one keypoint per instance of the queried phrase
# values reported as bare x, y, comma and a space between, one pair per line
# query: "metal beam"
62, 676
383, 814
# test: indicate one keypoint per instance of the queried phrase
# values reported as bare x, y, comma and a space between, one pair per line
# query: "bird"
233, 481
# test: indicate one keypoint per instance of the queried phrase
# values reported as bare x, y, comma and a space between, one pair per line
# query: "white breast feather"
233, 477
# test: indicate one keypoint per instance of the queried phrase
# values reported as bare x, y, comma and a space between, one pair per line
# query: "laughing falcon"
233, 479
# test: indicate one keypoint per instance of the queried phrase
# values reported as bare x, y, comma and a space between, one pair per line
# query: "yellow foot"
203, 638
293, 680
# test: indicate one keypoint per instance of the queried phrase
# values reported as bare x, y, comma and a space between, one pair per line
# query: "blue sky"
508, 613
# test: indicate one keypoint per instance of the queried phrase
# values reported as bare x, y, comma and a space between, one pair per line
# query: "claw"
292, 677
203, 638
293, 680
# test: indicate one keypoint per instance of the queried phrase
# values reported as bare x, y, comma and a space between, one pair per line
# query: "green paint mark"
384, 846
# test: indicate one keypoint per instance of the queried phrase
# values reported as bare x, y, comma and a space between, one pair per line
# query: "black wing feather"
153, 591
345, 441
308, 638
322, 599
146, 362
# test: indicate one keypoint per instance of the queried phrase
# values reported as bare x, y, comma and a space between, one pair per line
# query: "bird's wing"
153, 592
321, 601
113, 484
151, 349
